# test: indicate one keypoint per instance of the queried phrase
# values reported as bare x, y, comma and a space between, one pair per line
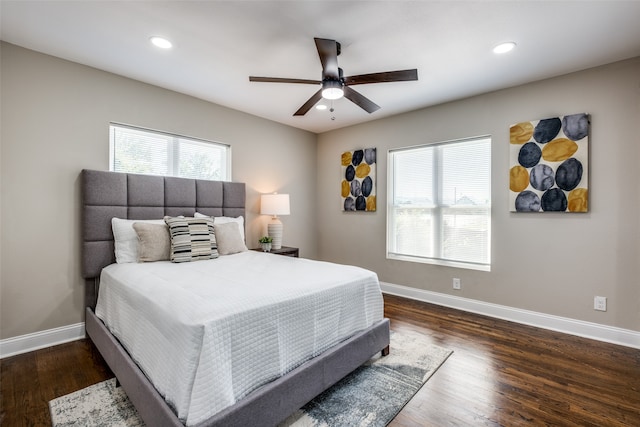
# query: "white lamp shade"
274, 204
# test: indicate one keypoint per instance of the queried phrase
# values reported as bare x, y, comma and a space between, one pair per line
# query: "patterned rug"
371, 396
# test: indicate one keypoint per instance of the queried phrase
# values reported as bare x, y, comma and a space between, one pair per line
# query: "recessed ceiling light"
321, 107
161, 42
504, 47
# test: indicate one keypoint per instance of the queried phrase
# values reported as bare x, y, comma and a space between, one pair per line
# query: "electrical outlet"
456, 283
600, 303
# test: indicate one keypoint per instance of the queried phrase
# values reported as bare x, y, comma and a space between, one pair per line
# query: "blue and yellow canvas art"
359, 180
549, 165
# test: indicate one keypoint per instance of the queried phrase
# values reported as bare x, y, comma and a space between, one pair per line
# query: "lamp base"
274, 230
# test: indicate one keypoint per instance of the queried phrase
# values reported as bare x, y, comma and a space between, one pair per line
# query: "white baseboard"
42, 339
30, 342
580, 328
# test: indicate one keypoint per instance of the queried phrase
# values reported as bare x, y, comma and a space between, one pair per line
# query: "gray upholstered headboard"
110, 194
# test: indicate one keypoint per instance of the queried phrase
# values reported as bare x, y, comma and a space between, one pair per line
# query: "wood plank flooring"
500, 374
29, 381
507, 374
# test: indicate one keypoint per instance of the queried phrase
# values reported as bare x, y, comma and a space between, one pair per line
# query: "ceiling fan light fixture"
332, 89
332, 93
321, 107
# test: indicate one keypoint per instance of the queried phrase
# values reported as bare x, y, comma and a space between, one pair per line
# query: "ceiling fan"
335, 85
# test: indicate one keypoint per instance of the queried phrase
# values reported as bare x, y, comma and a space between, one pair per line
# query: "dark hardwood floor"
506, 374
29, 381
500, 374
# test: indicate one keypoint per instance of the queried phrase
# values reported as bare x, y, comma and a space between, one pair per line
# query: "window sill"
442, 262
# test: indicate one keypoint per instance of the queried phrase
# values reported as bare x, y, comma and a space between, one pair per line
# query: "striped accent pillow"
192, 239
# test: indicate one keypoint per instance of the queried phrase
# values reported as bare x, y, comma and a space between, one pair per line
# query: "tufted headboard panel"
130, 196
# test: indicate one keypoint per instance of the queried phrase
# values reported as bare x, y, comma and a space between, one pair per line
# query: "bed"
106, 195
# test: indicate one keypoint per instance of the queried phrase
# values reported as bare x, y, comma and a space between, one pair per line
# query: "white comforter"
207, 333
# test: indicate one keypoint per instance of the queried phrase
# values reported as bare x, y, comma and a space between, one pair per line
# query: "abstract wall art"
549, 165
359, 180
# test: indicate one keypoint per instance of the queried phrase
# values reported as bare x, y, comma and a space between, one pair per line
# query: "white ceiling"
219, 44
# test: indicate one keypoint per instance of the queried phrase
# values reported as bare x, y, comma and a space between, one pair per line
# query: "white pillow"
224, 220
126, 238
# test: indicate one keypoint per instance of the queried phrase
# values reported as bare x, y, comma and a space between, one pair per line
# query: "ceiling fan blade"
283, 80
310, 103
384, 77
328, 52
360, 100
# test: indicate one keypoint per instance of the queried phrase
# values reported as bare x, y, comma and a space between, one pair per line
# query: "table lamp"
275, 204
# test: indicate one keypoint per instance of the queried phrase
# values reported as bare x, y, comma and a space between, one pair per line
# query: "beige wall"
55, 122
55, 116
548, 263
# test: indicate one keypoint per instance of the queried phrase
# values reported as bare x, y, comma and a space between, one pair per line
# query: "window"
145, 151
439, 204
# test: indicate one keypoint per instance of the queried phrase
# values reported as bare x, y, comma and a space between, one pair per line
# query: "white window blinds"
439, 208
137, 150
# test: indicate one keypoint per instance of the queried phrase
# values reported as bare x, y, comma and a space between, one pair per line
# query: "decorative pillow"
192, 239
154, 243
126, 239
228, 238
224, 220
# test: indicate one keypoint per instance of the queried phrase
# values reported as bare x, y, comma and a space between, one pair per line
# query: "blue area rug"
371, 396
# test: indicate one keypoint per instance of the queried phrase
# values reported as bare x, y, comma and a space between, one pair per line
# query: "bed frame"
109, 194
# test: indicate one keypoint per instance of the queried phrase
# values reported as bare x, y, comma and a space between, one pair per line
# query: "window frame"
173, 156
437, 209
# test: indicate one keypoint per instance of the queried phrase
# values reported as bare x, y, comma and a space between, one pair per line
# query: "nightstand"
284, 250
